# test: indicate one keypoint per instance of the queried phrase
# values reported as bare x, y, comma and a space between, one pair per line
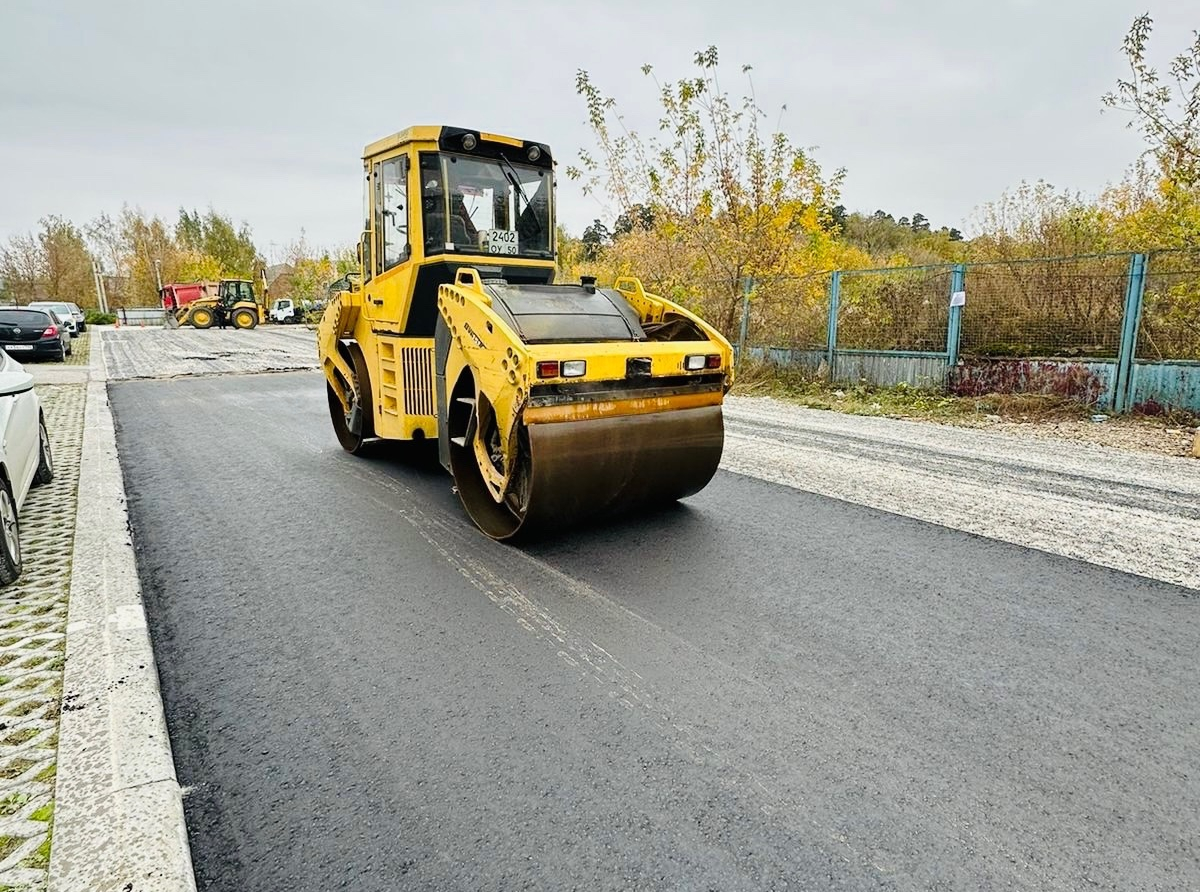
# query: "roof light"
534, 153
574, 368
468, 141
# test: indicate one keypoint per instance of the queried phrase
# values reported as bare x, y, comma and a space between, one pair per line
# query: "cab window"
392, 218
365, 244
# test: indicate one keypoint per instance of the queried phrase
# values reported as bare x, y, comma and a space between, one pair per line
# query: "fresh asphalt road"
760, 688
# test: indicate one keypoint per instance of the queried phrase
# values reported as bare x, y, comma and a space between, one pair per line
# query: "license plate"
499, 241
18, 346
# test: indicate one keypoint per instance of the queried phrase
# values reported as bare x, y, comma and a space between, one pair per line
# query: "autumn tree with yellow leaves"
710, 198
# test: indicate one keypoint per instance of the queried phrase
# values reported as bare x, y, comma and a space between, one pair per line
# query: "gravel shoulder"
1131, 511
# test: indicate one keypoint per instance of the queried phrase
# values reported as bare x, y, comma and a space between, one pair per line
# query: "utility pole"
98, 277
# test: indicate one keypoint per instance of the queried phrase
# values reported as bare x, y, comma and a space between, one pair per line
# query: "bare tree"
1166, 109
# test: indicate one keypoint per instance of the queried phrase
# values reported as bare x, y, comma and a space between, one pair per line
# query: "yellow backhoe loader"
234, 297
550, 403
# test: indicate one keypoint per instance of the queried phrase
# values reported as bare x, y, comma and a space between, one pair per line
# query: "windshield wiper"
510, 174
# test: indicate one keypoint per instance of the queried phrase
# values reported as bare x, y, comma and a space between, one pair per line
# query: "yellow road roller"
551, 403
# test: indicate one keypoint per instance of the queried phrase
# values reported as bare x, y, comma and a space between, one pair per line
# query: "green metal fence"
1116, 330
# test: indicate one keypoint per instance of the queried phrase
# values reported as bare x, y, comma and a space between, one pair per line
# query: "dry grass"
1032, 412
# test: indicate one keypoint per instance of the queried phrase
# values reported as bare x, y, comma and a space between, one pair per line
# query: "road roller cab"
550, 402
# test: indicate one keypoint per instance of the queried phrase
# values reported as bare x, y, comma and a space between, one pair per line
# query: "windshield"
492, 206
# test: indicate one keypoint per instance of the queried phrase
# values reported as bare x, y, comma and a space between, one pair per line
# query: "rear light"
548, 369
574, 368
51, 332
698, 361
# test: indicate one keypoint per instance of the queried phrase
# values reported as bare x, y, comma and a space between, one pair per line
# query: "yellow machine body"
242, 307
550, 403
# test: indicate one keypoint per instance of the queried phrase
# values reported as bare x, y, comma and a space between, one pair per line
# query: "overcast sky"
261, 108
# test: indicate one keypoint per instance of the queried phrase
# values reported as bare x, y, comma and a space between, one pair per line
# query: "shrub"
95, 317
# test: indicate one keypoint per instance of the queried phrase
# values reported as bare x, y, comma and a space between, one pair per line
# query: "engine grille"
417, 368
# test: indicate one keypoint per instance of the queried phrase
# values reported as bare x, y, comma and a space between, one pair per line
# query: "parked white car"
78, 315
25, 459
62, 310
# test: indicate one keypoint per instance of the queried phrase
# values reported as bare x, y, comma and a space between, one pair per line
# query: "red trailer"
177, 295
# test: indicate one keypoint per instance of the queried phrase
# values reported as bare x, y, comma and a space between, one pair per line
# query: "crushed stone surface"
1128, 510
158, 352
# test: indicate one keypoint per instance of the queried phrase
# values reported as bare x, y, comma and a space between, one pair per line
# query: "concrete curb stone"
119, 822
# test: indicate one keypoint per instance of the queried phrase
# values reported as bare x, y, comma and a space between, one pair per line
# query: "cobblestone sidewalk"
33, 616
81, 350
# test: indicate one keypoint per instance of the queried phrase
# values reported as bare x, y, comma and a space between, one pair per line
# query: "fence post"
747, 287
958, 282
835, 297
1131, 320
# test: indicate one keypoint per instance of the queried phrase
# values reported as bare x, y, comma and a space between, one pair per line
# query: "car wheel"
45, 468
62, 352
70, 348
10, 536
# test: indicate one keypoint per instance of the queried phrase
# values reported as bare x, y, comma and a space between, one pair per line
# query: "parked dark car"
35, 334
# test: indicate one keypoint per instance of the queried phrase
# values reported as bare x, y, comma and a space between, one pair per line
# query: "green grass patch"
45, 813
12, 803
16, 738
16, 768
8, 845
41, 855
46, 774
